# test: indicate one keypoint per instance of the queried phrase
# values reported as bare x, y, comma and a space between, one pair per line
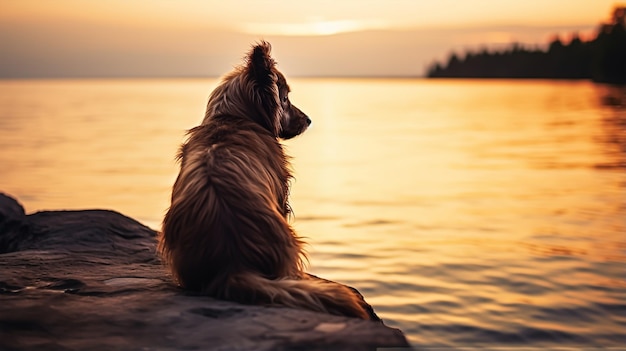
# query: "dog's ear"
261, 71
261, 65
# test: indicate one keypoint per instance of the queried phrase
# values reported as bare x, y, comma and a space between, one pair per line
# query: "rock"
91, 280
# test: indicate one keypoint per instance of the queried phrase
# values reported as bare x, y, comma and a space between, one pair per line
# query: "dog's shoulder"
225, 127
234, 134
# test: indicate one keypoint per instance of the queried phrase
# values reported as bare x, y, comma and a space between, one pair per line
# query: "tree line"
602, 59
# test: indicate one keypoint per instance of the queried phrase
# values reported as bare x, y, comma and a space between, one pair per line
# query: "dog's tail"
308, 293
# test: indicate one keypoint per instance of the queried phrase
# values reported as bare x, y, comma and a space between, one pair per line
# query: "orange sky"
329, 37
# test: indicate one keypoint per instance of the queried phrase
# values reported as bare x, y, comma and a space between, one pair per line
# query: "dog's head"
259, 91
271, 92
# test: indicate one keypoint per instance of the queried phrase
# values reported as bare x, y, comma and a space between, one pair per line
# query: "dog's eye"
285, 98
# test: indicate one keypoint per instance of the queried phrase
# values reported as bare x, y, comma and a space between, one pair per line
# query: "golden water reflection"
465, 211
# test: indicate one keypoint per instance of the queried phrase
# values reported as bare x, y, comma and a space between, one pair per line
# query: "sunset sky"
91, 38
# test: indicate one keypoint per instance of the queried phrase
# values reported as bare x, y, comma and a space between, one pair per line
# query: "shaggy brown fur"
226, 232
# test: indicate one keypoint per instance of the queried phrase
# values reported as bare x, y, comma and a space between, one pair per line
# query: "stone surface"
90, 280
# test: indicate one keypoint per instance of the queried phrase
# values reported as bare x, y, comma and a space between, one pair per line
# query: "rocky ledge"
90, 280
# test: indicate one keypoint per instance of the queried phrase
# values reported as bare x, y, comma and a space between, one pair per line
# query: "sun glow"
310, 28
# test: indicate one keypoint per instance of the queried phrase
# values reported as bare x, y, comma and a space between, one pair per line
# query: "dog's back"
226, 231
229, 206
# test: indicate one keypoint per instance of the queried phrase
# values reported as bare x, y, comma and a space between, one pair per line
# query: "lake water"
467, 212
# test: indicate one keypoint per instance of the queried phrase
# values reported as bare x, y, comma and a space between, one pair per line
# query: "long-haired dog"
226, 232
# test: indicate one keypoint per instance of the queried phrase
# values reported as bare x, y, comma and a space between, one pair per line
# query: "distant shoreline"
602, 59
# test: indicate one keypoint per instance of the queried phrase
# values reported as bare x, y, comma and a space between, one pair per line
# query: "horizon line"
324, 76
373, 77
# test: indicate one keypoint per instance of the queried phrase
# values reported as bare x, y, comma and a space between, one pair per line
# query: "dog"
226, 233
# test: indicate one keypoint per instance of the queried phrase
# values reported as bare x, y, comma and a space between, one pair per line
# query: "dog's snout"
308, 121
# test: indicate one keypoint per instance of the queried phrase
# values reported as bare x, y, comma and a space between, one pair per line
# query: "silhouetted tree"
609, 54
602, 59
